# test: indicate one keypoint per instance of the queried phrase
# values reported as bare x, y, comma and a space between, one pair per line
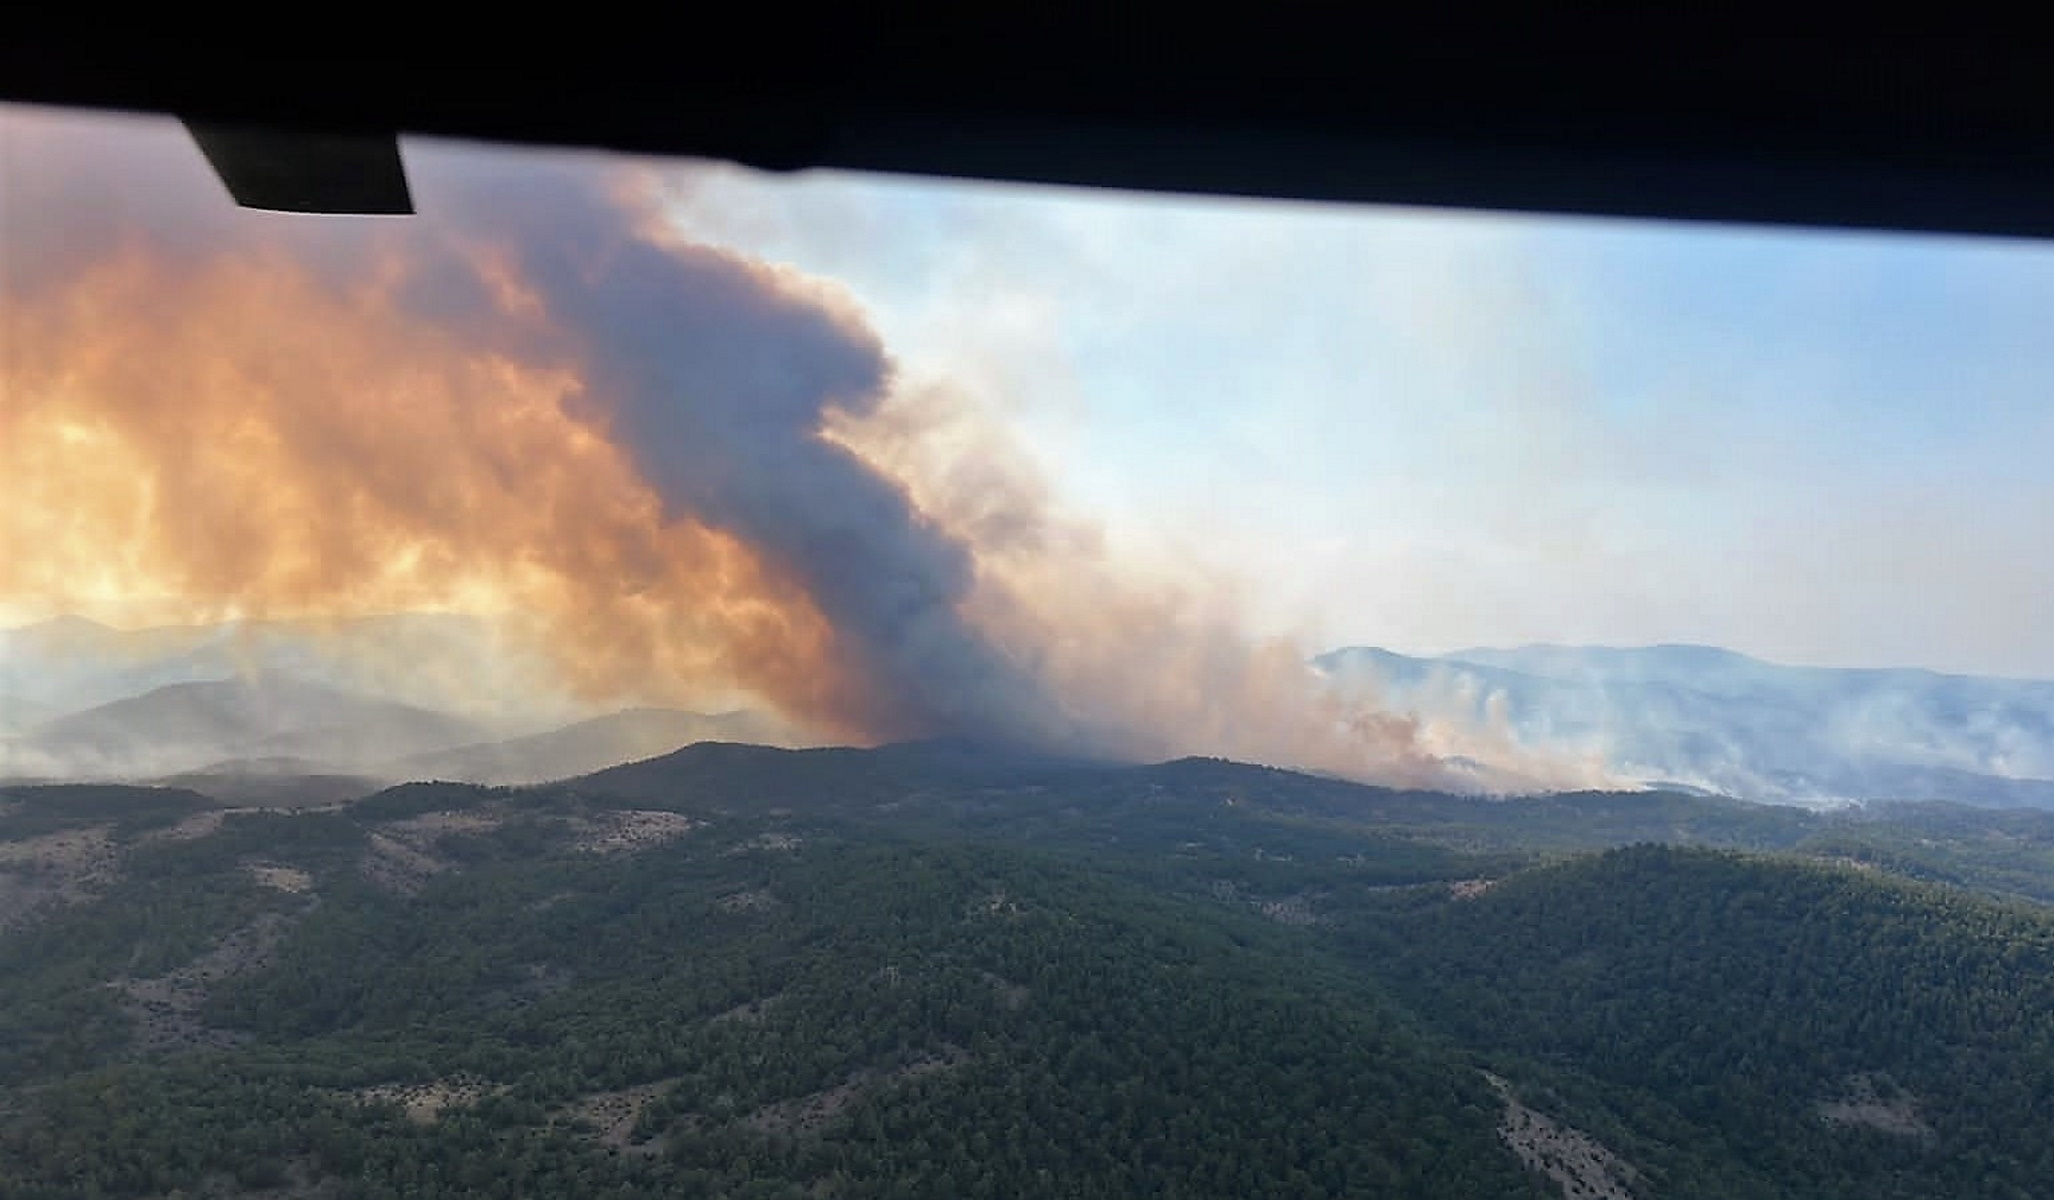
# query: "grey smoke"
718, 380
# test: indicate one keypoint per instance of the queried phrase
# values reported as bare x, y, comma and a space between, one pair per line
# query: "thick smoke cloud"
716, 376
1162, 665
674, 467
211, 413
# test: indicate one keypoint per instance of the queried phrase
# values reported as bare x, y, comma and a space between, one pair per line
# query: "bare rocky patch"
403, 857
193, 827
395, 866
424, 1103
1873, 1101
166, 1009
995, 903
632, 829
427, 827
1578, 1163
54, 870
1290, 910
750, 900
290, 880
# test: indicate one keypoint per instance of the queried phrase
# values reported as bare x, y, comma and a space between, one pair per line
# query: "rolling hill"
185, 727
439, 661
1752, 1026
588, 746
935, 970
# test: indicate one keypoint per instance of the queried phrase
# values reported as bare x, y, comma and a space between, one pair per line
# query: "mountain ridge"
189, 726
1723, 721
581, 747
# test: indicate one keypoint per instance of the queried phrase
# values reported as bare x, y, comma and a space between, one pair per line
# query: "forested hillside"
1757, 1027
930, 972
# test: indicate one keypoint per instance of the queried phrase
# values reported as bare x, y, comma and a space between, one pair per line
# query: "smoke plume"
677, 471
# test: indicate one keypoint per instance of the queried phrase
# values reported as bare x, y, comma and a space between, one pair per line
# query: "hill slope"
1800, 1030
925, 970
720, 1011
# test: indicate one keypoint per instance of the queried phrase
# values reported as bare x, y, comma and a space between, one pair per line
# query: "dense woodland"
930, 971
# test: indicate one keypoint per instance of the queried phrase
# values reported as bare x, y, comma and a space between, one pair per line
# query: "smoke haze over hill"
667, 474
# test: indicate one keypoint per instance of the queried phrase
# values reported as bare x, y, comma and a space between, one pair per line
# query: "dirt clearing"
424, 1103
1578, 1164
290, 880
632, 829
1873, 1101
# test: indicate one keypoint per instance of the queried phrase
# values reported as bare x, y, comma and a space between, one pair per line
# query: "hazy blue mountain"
19, 714
1711, 718
281, 782
588, 746
442, 661
185, 727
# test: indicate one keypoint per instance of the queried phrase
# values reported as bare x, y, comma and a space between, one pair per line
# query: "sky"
1431, 430
1071, 468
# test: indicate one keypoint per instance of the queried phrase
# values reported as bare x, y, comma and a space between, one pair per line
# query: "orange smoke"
670, 471
238, 434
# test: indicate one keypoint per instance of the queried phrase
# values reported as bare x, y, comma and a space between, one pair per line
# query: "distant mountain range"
373, 699
621, 737
1711, 719
184, 727
280, 727
442, 661
428, 696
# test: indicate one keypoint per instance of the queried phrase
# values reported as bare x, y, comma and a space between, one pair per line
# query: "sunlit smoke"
250, 416
670, 470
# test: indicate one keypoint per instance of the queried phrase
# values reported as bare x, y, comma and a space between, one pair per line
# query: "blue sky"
1430, 430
